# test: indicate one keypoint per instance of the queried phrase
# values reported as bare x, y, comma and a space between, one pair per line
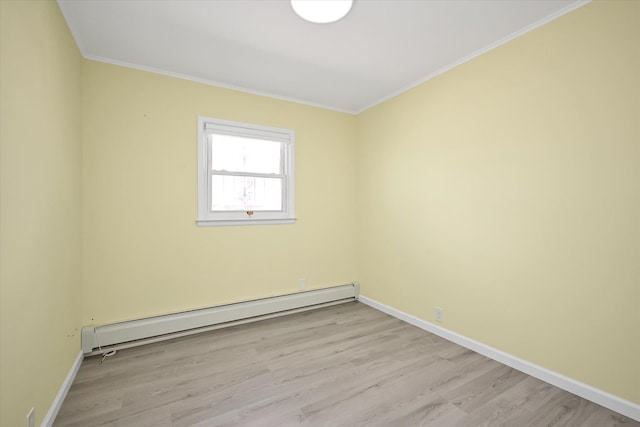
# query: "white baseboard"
585, 391
62, 393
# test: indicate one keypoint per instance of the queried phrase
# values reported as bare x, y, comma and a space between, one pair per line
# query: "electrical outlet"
31, 418
439, 317
303, 283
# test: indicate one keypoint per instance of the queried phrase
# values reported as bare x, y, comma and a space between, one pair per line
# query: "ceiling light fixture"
322, 11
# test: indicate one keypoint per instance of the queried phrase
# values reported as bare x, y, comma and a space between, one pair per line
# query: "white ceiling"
381, 48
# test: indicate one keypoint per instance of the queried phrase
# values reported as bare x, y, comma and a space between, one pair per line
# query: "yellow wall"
507, 192
144, 255
40, 206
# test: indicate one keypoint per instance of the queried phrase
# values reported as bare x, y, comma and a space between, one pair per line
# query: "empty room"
390, 213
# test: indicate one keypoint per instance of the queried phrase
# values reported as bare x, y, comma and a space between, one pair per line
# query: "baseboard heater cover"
104, 336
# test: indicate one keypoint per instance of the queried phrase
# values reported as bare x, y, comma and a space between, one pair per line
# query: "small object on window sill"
249, 213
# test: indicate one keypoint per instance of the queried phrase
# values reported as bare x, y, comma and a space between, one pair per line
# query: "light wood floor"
346, 365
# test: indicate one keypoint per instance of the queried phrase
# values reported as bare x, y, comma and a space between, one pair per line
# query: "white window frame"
210, 218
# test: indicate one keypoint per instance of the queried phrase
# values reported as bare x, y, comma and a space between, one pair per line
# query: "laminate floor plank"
345, 365
510, 408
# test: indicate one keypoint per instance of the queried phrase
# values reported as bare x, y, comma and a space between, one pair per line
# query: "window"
245, 174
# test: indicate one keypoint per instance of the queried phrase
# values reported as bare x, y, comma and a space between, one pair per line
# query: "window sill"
234, 222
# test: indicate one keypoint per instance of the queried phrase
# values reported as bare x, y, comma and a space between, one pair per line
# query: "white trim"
608, 400
62, 393
571, 7
230, 222
214, 83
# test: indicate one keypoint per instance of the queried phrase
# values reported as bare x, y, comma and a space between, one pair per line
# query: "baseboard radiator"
98, 339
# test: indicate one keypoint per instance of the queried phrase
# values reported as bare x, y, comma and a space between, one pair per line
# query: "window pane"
240, 154
245, 193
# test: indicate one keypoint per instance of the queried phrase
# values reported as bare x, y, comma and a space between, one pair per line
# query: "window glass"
245, 193
240, 154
